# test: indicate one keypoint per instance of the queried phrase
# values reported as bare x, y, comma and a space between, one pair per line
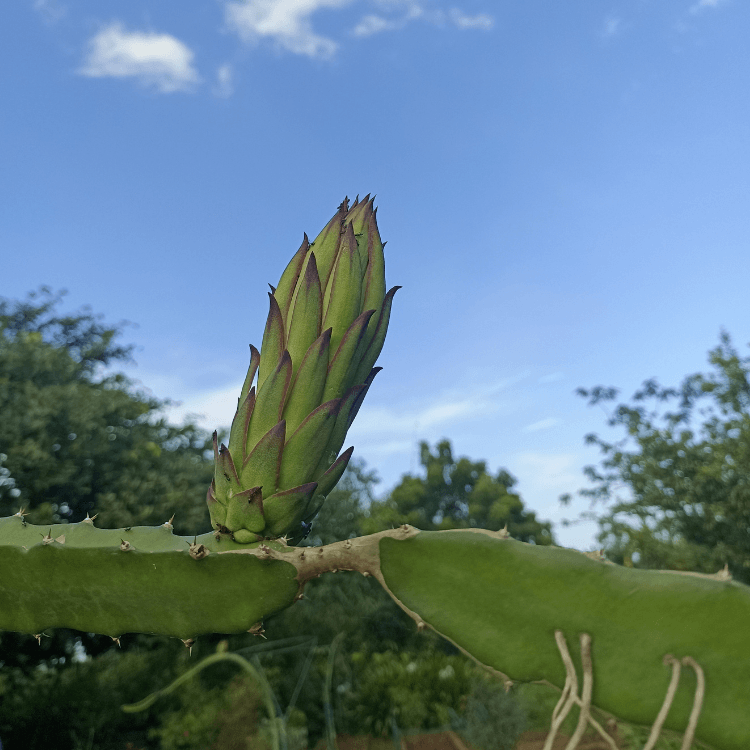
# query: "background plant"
681, 473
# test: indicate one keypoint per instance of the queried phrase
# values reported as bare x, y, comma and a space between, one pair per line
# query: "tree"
457, 494
75, 440
686, 470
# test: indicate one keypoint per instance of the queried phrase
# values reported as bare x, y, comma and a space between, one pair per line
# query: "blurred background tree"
457, 494
681, 474
79, 441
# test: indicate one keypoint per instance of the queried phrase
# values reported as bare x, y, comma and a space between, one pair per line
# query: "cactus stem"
125, 546
168, 524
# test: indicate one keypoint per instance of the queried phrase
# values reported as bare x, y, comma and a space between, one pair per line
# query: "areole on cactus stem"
326, 326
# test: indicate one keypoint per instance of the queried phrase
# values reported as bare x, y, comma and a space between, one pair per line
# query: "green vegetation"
683, 471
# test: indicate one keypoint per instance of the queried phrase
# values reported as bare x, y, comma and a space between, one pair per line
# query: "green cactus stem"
499, 600
142, 579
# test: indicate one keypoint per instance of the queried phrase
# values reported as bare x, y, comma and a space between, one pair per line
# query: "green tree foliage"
457, 494
79, 706
419, 691
78, 441
682, 473
493, 719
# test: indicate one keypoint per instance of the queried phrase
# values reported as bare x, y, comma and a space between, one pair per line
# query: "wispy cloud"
549, 473
224, 86
287, 22
612, 26
371, 24
542, 424
51, 11
461, 21
398, 423
158, 60
704, 4
407, 11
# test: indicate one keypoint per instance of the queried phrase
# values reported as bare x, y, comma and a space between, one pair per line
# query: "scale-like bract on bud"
326, 326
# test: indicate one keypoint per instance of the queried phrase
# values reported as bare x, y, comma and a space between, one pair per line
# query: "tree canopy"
457, 494
682, 471
76, 440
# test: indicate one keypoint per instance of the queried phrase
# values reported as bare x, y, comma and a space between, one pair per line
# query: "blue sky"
563, 187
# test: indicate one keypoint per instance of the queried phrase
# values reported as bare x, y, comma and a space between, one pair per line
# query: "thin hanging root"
570, 696
700, 690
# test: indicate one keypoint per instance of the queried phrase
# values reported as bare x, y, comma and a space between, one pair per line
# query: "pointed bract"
285, 510
376, 337
326, 245
305, 315
305, 447
346, 361
262, 466
343, 295
288, 283
307, 388
270, 401
274, 342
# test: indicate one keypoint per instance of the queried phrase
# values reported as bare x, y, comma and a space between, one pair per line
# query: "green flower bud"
326, 326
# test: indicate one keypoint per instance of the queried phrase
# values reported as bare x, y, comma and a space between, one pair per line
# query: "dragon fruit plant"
511, 606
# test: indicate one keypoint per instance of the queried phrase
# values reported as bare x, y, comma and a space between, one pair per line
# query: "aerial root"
570, 697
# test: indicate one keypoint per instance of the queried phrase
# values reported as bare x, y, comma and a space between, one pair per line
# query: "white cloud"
211, 409
548, 474
158, 60
703, 4
50, 10
287, 22
216, 408
370, 25
542, 424
462, 21
224, 87
412, 11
